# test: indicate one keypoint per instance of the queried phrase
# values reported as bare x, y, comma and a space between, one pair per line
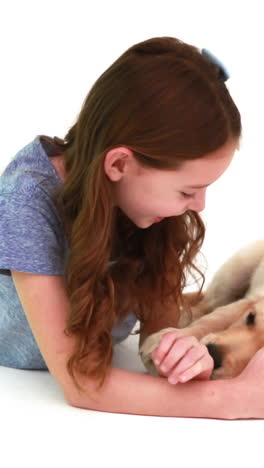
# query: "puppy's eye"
250, 320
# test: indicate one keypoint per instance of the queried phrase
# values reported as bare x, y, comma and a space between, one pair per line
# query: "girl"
98, 230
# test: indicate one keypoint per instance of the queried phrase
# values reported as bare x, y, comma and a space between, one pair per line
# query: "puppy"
228, 318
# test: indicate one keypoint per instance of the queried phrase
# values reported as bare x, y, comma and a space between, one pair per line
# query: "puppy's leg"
233, 278
218, 320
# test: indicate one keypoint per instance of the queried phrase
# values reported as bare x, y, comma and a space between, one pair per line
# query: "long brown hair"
164, 101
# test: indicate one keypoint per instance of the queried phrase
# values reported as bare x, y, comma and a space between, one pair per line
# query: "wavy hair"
165, 101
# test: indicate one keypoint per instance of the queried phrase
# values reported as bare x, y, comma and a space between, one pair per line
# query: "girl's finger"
165, 345
199, 367
193, 355
176, 352
187, 375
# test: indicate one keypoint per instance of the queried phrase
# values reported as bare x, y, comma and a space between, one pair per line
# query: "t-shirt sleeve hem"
18, 266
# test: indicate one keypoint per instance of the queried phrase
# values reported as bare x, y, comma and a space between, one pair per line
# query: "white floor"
39, 429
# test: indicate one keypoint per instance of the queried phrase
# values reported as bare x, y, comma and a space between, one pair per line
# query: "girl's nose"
198, 203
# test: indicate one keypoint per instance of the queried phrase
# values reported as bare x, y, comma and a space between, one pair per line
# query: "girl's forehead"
194, 174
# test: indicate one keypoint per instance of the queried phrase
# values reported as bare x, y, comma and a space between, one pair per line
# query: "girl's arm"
46, 306
134, 393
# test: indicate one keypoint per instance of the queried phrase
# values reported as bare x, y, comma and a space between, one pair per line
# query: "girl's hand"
182, 358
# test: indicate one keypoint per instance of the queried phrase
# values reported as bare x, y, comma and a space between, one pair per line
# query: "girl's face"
146, 194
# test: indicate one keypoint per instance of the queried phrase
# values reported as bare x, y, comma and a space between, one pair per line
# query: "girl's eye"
187, 195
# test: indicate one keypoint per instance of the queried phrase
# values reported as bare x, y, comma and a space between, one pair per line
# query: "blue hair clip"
224, 74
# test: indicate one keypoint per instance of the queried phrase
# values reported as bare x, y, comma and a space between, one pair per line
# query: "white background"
51, 54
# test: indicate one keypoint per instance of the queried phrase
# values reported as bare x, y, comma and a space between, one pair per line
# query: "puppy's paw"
149, 344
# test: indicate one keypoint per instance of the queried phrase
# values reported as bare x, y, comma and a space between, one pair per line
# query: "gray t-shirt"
31, 240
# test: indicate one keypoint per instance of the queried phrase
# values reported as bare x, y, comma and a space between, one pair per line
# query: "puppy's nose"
215, 352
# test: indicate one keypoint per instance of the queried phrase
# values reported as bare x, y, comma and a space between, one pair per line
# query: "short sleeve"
31, 236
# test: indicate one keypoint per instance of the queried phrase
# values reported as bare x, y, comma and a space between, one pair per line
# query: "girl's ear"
117, 161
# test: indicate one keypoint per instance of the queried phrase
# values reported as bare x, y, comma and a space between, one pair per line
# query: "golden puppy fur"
228, 319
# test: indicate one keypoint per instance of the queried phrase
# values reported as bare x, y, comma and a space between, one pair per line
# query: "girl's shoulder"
32, 237
29, 169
